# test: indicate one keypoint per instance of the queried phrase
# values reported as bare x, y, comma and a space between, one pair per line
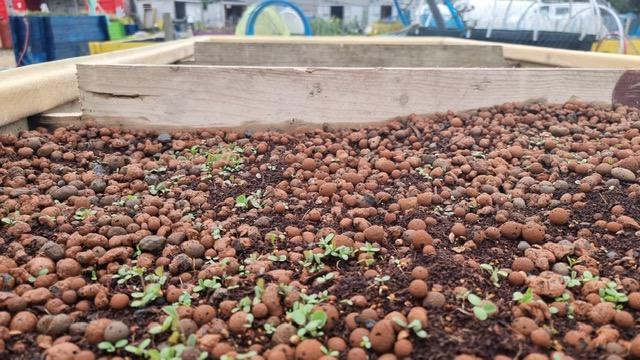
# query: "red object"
5, 34
4, 13
110, 6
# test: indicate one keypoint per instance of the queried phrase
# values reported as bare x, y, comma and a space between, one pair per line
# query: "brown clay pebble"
119, 301
533, 233
418, 289
524, 325
559, 216
382, 336
203, 314
511, 230
24, 322
310, 349
541, 337
403, 348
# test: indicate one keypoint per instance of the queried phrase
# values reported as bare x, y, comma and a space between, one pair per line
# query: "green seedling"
185, 299
365, 343
126, 273
612, 295
243, 305
314, 299
159, 189
216, 232
572, 262
170, 323
83, 214
588, 276
424, 172
112, 347
277, 258
572, 280
140, 349
482, 309
254, 200
8, 222
269, 329
496, 273
325, 278
525, 298
309, 322
327, 352
43, 271
208, 284
151, 293
415, 326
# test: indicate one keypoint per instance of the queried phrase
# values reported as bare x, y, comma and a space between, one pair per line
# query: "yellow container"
612, 46
99, 47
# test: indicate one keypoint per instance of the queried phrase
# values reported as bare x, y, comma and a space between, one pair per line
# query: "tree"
624, 6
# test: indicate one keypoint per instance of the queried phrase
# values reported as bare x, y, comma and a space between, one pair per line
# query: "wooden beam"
32, 89
518, 53
260, 97
348, 55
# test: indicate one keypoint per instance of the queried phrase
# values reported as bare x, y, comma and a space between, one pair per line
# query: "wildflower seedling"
612, 295
83, 214
208, 284
496, 273
525, 298
482, 309
309, 322
140, 349
112, 347
415, 326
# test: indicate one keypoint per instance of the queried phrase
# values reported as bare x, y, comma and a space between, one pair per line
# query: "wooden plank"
348, 55
32, 89
514, 52
259, 97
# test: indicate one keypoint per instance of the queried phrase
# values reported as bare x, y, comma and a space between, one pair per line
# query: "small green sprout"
172, 322
525, 298
126, 273
216, 232
184, 299
332, 353
269, 329
254, 200
112, 347
151, 293
83, 214
572, 262
140, 349
496, 273
482, 309
309, 322
159, 189
208, 284
365, 343
415, 326
8, 222
325, 278
612, 295
43, 271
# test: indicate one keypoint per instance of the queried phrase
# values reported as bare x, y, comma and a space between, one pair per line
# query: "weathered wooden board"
238, 97
347, 55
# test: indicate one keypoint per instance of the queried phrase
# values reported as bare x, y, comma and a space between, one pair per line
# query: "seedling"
185, 299
381, 280
482, 309
572, 262
479, 154
269, 329
172, 322
126, 273
564, 298
572, 281
325, 278
525, 298
365, 343
309, 322
277, 258
244, 304
424, 172
612, 295
254, 200
588, 276
216, 232
208, 284
140, 349
151, 293
496, 274
8, 222
160, 188
313, 299
415, 326
326, 351
370, 248
43, 271
312, 261
112, 347
232, 155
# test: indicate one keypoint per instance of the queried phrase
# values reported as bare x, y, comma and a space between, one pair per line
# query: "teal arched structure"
251, 23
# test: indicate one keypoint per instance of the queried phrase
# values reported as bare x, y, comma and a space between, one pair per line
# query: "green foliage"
415, 326
184, 299
8, 222
365, 343
126, 273
159, 189
208, 284
172, 322
269, 329
43, 271
612, 295
496, 273
482, 309
325, 278
139, 349
332, 353
231, 155
83, 214
152, 290
525, 298
624, 6
254, 200
310, 323
315, 261
381, 280
216, 232
112, 347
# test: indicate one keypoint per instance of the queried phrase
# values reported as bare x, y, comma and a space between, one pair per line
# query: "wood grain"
348, 55
261, 97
